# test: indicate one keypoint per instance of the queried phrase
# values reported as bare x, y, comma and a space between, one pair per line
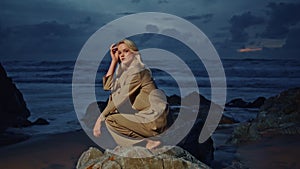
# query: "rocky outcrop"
174, 100
202, 151
205, 104
13, 110
243, 104
139, 157
278, 115
40, 121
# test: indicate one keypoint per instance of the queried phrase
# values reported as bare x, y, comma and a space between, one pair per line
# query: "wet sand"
280, 152
58, 151
61, 151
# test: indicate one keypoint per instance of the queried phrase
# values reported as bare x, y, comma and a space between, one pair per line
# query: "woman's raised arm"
114, 60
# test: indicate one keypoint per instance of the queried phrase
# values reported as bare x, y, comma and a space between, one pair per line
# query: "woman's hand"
115, 58
97, 128
114, 52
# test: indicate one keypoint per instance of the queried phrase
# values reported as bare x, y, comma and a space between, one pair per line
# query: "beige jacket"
134, 92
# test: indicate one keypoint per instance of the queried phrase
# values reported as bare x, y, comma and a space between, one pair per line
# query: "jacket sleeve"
110, 107
107, 82
107, 85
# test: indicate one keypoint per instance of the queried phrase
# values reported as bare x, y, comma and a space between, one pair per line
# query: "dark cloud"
152, 28
220, 35
282, 17
46, 38
135, 1
86, 21
159, 1
125, 13
171, 31
31, 12
224, 28
240, 22
203, 18
163, 1
293, 39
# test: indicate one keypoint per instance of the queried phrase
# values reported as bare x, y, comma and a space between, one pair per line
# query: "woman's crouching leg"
118, 123
129, 132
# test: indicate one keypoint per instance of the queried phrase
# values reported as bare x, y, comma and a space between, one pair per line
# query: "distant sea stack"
243, 104
13, 109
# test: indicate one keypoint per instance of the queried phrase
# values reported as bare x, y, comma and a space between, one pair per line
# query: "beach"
280, 152
54, 151
62, 151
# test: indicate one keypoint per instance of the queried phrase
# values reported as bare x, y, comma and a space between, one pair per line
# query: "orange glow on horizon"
249, 49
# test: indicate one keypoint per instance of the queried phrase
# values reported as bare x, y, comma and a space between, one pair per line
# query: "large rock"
202, 151
139, 157
13, 109
40, 121
287, 102
257, 103
238, 102
279, 114
174, 100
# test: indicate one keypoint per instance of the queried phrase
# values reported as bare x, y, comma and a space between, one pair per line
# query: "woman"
136, 109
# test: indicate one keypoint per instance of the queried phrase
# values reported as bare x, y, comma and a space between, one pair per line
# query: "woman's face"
125, 54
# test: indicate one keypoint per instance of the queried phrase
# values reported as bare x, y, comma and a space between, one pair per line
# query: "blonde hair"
131, 45
137, 62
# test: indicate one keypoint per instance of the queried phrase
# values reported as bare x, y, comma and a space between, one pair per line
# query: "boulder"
257, 103
227, 120
279, 114
202, 151
194, 95
13, 109
139, 157
40, 121
174, 100
238, 102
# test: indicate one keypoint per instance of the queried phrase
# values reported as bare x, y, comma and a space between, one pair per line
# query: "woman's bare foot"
151, 144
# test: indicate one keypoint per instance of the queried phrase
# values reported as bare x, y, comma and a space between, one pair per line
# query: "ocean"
47, 87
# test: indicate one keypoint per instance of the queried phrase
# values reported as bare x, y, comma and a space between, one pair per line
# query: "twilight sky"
57, 29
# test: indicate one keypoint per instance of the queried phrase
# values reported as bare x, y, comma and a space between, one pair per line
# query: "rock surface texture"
134, 158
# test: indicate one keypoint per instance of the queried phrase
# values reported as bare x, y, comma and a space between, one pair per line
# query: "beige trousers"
129, 129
